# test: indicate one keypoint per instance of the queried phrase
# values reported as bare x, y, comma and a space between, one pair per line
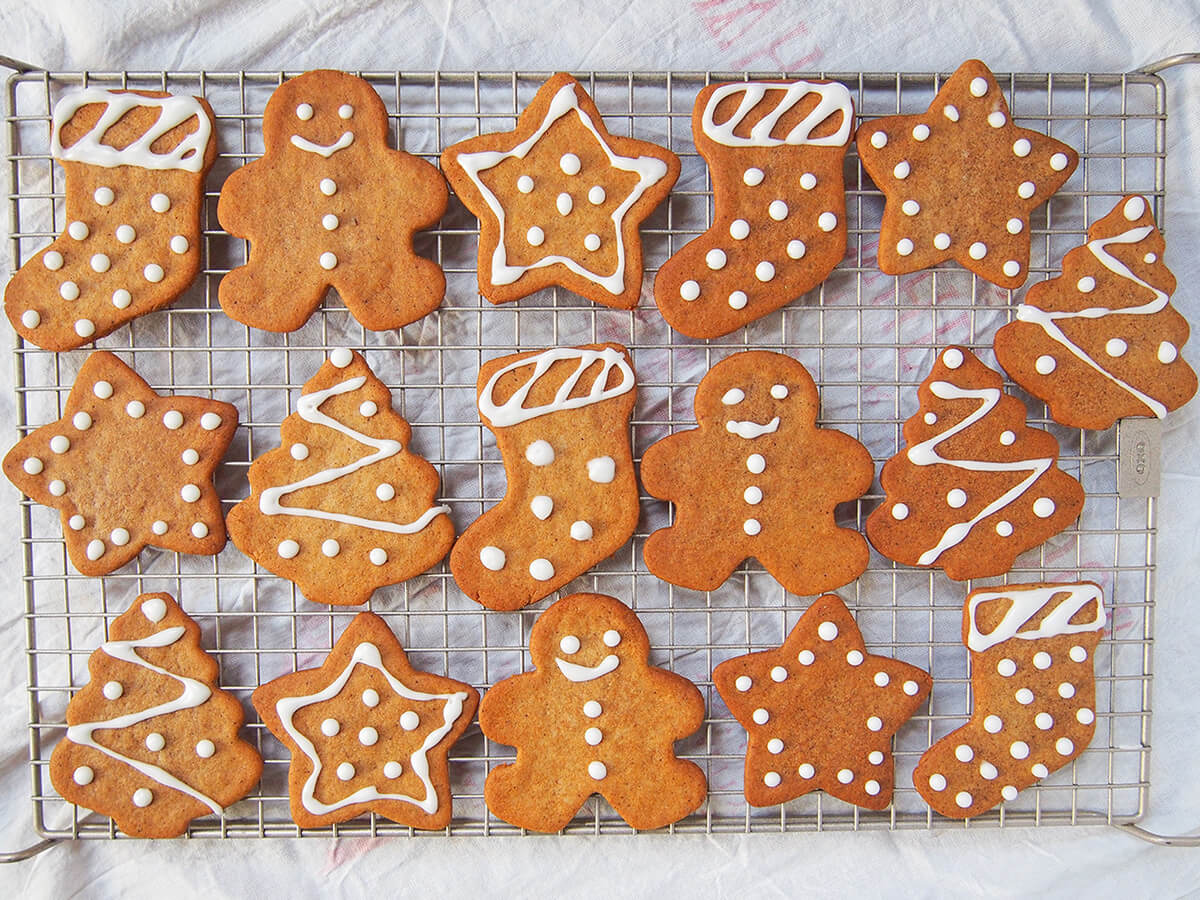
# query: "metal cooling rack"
867, 339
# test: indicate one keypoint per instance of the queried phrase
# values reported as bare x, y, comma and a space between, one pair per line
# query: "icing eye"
569, 644
779, 391
612, 638
304, 112
733, 395
345, 110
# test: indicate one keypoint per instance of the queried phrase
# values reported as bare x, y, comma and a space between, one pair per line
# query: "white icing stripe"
924, 454
513, 410
648, 169
89, 149
194, 694
750, 430
368, 655
1046, 320
835, 99
309, 409
325, 150
1028, 602
574, 672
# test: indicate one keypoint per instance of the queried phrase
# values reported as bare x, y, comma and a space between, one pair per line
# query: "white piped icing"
1025, 604
834, 100
513, 410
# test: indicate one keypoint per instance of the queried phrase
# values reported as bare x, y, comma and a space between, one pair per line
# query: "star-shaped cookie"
560, 200
960, 180
820, 711
127, 468
367, 732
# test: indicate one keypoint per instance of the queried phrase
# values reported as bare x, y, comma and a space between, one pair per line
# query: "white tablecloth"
1106, 36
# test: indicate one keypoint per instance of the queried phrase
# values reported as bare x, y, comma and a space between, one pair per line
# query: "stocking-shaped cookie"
1102, 341
343, 506
561, 420
330, 205
151, 740
775, 150
135, 163
1034, 690
759, 479
975, 486
594, 718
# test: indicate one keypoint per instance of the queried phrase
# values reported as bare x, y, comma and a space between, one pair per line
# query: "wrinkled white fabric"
1074, 36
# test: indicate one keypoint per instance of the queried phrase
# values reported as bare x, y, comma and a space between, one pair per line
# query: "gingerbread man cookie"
1102, 340
127, 468
561, 420
961, 180
330, 205
151, 740
560, 199
135, 163
975, 486
820, 711
758, 479
594, 718
775, 150
343, 506
367, 732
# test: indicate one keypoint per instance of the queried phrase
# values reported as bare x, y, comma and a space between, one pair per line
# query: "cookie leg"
690, 558
390, 294
522, 795
255, 295
677, 790
817, 566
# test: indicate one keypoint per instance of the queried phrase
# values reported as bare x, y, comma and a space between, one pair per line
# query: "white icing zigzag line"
923, 454
325, 150
194, 694
648, 169
835, 99
368, 654
1046, 320
513, 410
175, 111
309, 409
1026, 603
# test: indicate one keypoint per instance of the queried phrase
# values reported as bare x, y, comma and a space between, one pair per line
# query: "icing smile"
325, 150
573, 672
750, 430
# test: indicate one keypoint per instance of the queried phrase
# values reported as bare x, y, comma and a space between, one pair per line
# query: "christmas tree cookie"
1102, 340
343, 506
151, 740
975, 486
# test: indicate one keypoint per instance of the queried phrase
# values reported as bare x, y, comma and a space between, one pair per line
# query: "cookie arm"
669, 463
231, 208
498, 716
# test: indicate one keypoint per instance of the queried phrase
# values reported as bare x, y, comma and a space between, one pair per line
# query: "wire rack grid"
867, 339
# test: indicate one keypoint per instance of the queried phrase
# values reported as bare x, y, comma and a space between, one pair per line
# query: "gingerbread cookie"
127, 468
758, 479
1034, 690
594, 718
151, 740
561, 420
1102, 341
976, 486
960, 180
820, 711
367, 732
343, 506
330, 205
135, 163
560, 200
775, 151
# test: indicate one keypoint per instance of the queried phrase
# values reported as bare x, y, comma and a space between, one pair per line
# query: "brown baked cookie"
561, 420
1102, 340
960, 180
775, 151
594, 718
151, 740
975, 486
758, 479
127, 468
331, 205
343, 507
367, 732
820, 711
1034, 690
135, 163
560, 199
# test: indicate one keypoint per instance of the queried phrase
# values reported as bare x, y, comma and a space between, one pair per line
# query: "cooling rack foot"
34, 850
1163, 840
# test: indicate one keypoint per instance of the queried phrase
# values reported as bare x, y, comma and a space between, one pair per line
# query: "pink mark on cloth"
752, 28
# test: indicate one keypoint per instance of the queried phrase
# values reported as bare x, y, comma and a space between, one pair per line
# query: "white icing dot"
1024, 696
535, 236
179, 244
190, 493
977, 250
95, 550
779, 673
827, 221
920, 132
330, 547
378, 556
806, 657
743, 683
739, 229
345, 771
882, 679
104, 196
368, 736
31, 318
78, 230
752, 527
753, 495
569, 163
1134, 208
330, 222
1045, 365
956, 498
1015, 225
33, 466
581, 531
592, 242
979, 86
902, 169
1058, 162
937, 782
1018, 750
1011, 268
1006, 667
119, 537
1026, 189
569, 644
493, 558
541, 569
1085, 716
1086, 284
1008, 792
689, 290
904, 246
409, 720
874, 723
592, 709
808, 181
779, 391
963, 799
775, 746
1043, 507
910, 688
764, 271
368, 408
85, 327
126, 234
760, 716
1022, 147
370, 698
155, 742
58, 487
1042, 660
931, 418
68, 290
210, 421
60, 443
159, 527
392, 769
602, 469
845, 776
205, 748
345, 111
738, 300
871, 787
385, 492
941, 240
100, 262
1039, 770
611, 638
199, 530
772, 779
753, 176
160, 203
341, 357
153, 273
597, 770
287, 549
564, 204
593, 736
992, 724
121, 298
540, 453
1115, 347
1167, 353
996, 119
143, 797
855, 658
52, 260
796, 249
173, 419
1066, 690
963, 753
900, 511
83, 775
715, 258
1078, 654
778, 210
910, 207
596, 195
76, 522
1044, 721
112, 690
1064, 746
952, 358
755, 463
328, 187
827, 631
304, 112
950, 111
102, 389
879, 140
875, 757
328, 260
806, 770
525, 184
1150, 258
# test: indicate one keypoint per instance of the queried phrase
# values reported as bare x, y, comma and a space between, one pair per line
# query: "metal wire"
867, 339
